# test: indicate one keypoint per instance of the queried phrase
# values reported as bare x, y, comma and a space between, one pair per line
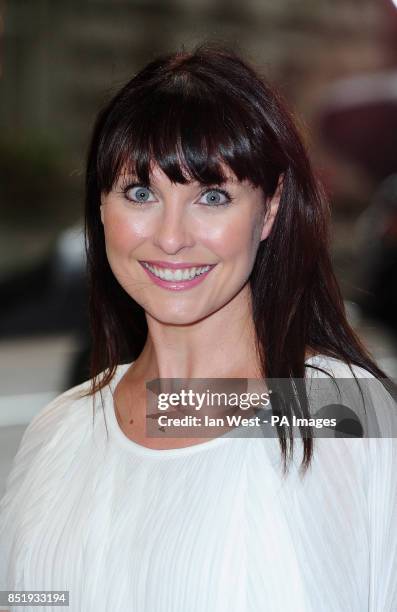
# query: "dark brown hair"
198, 109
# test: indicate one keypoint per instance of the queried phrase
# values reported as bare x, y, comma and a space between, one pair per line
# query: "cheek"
237, 238
122, 234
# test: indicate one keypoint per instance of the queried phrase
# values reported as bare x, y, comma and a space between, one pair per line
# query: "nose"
172, 232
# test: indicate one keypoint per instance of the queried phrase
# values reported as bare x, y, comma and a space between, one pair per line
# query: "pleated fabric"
208, 528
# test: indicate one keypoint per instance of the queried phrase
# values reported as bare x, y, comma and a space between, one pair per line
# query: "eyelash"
227, 195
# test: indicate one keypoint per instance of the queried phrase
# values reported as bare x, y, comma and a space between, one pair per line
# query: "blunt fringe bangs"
190, 121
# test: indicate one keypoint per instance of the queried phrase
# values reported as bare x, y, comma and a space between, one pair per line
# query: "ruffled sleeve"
382, 499
38, 435
380, 478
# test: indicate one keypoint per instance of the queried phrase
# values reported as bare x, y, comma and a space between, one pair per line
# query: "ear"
272, 209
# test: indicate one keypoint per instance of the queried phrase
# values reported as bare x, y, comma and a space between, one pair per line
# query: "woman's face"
167, 229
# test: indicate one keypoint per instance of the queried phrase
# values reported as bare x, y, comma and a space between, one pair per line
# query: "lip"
173, 265
177, 285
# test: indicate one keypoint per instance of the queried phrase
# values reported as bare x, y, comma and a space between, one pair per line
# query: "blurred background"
335, 61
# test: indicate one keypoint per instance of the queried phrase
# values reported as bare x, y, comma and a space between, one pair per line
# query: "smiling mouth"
178, 275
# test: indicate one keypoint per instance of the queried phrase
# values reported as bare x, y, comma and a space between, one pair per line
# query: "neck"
221, 345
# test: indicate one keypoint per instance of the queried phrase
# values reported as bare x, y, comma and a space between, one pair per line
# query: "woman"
196, 163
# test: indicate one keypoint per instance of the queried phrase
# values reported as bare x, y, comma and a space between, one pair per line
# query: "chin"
175, 318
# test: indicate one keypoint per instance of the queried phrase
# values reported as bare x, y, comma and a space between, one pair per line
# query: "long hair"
189, 112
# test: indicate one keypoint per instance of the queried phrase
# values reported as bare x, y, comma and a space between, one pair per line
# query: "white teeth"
176, 275
186, 274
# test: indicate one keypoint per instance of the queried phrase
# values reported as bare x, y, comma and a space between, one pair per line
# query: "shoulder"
59, 425
325, 366
58, 410
44, 426
372, 399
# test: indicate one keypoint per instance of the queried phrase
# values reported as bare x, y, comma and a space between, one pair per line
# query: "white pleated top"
208, 528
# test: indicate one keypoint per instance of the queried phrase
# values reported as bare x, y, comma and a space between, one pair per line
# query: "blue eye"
216, 197
138, 193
